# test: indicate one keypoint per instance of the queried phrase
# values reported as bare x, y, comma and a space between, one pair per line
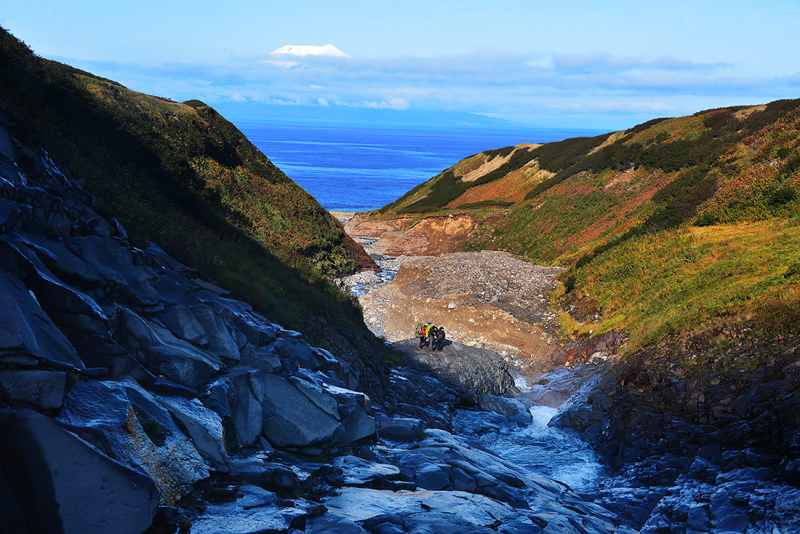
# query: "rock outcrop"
715, 453
123, 344
474, 372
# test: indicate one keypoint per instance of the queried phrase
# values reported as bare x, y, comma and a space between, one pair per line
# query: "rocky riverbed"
486, 299
719, 452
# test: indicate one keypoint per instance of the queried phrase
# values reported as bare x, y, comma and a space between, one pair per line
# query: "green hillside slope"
180, 175
674, 224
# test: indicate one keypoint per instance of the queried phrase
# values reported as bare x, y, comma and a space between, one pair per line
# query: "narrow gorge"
190, 343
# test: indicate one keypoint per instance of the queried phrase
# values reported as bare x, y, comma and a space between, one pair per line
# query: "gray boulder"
357, 423
60, 260
175, 289
105, 353
115, 265
360, 472
189, 366
184, 324
262, 358
291, 419
66, 478
138, 428
400, 428
237, 398
297, 351
202, 426
257, 330
25, 329
236, 518
259, 472
514, 409
39, 388
221, 342
353, 409
440, 511
473, 371
66, 306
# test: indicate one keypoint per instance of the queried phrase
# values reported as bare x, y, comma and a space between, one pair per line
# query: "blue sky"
574, 63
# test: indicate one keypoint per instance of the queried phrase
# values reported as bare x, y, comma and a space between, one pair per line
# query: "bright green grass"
669, 282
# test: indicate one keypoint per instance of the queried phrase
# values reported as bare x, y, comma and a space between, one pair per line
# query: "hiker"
438, 339
430, 331
423, 332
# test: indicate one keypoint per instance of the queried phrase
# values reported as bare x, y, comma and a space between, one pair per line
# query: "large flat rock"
66, 485
26, 329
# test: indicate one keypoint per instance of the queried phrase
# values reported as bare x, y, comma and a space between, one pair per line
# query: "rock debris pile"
487, 299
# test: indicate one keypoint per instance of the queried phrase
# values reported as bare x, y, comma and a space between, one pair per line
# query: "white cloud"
308, 50
394, 103
281, 64
528, 87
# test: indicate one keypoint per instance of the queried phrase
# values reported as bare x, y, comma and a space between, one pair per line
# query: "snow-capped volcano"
309, 50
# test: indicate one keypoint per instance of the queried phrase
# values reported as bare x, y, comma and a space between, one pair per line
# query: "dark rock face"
54, 474
716, 453
473, 371
26, 331
80, 304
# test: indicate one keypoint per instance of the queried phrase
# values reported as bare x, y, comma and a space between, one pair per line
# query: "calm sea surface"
352, 168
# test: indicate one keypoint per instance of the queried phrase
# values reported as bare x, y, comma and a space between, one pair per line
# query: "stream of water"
552, 452
548, 451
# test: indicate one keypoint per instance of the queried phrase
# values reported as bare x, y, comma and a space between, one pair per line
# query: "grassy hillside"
680, 223
182, 176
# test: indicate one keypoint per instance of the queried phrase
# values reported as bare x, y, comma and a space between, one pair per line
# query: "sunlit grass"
668, 282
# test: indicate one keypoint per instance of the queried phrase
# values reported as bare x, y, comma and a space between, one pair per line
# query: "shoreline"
344, 216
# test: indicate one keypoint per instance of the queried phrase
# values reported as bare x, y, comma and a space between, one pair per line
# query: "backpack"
420, 330
430, 328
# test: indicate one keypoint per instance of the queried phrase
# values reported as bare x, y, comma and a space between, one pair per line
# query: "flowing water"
551, 452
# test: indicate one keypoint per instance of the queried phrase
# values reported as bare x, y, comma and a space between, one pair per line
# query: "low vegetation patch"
661, 284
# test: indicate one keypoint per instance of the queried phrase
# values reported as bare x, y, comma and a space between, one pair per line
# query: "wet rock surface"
716, 453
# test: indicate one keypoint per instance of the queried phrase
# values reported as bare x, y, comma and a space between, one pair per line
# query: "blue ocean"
358, 168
